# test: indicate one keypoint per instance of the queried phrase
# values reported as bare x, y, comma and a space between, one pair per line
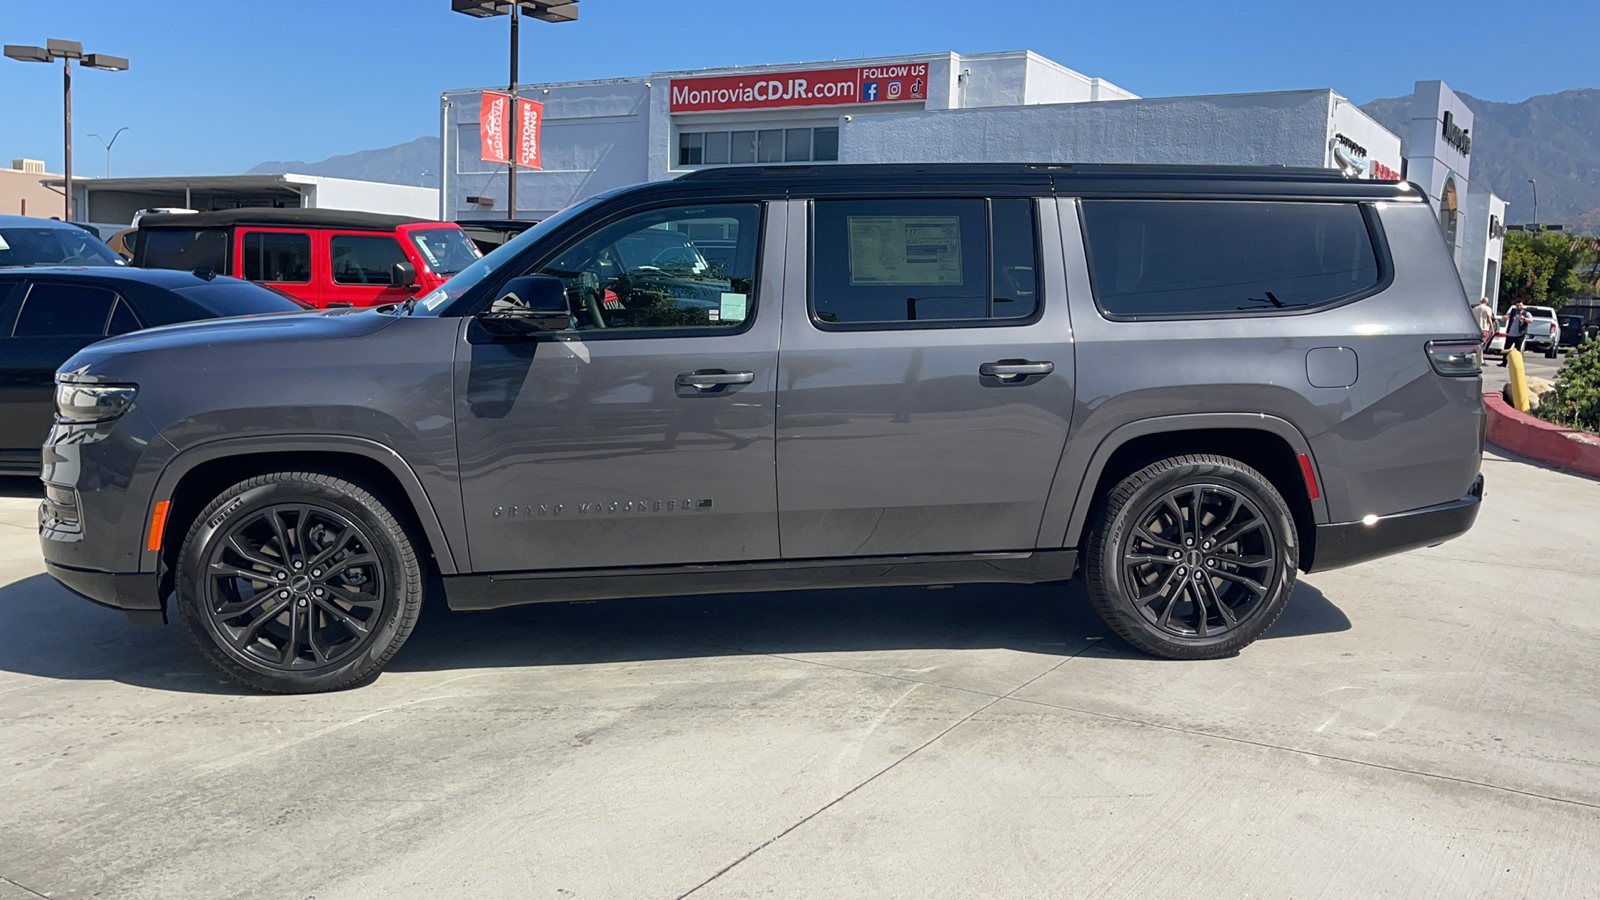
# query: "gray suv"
1184, 385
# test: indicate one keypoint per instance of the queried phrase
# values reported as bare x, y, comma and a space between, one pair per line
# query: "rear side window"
65, 310
277, 256
184, 249
901, 263
1204, 257
364, 259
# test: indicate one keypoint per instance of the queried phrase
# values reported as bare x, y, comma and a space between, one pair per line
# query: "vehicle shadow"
20, 486
47, 632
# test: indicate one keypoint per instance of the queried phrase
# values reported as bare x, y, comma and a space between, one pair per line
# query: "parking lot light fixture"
544, 11
66, 51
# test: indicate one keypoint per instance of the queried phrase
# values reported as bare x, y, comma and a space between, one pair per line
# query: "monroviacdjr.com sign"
901, 83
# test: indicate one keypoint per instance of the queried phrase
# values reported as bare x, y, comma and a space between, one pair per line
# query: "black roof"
315, 218
1077, 178
171, 279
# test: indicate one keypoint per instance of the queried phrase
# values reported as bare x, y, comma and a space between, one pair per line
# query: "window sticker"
733, 307
3, 244
889, 250
435, 300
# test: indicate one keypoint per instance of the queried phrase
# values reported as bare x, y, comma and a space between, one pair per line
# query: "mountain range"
1552, 138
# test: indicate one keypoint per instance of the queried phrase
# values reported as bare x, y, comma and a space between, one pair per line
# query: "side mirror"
530, 304
403, 275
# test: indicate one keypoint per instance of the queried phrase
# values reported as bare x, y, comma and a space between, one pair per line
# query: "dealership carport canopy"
117, 199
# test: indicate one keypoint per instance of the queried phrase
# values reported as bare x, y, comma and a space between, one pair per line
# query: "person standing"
1517, 322
1484, 313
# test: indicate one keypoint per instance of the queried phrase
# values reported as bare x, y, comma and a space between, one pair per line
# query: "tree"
1543, 269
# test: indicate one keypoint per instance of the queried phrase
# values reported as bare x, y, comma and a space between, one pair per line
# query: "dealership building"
936, 107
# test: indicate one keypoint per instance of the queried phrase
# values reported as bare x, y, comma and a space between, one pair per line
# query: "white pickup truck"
1544, 332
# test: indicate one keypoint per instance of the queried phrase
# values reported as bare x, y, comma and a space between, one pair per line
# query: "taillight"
1454, 358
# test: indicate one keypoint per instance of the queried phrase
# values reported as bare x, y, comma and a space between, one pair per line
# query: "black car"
48, 314
1573, 330
45, 242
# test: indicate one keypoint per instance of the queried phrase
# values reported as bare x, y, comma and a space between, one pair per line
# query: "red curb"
1522, 434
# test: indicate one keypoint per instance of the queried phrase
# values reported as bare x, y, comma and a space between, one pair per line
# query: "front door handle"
711, 379
1009, 370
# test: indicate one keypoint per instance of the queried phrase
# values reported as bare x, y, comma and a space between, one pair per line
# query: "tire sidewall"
1114, 591
250, 497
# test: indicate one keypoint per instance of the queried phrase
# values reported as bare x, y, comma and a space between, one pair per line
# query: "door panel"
56, 320
359, 269
593, 451
893, 441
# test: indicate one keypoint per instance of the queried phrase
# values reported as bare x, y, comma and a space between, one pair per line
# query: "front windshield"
447, 250
465, 280
25, 245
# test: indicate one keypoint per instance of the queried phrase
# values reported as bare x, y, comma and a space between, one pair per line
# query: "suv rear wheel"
298, 582
1192, 557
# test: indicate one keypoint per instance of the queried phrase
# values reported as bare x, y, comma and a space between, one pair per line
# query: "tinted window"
184, 249
895, 261
54, 310
648, 270
362, 259
282, 257
53, 246
1197, 257
231, 297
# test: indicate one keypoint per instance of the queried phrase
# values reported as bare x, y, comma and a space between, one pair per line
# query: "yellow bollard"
1519, 380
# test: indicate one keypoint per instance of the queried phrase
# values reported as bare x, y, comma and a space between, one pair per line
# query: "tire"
1148, 597
247, 595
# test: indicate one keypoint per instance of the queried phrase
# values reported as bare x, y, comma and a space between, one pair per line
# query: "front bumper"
134, 593
1348, 543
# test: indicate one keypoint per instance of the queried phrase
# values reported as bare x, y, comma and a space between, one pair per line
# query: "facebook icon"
869, 91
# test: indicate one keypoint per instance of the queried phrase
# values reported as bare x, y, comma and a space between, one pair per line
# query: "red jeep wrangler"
326, 257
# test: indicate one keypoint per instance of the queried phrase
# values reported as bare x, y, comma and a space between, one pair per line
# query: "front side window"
685, 267
888, 263
279, 257
364, 258
65, 310
1175, 258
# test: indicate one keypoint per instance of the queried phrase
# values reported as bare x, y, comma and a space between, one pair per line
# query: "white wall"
1381, 144
1482, 215
367, 196
1432, 161
1239, 129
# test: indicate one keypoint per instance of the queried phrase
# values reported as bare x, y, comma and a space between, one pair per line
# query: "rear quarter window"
1193, 258
184, 249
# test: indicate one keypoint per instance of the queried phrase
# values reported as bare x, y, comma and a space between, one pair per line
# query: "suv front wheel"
298, 582
1192, 557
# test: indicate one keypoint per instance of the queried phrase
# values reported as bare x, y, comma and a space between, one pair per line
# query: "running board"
492, 591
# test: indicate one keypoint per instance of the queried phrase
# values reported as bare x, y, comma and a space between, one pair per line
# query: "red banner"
530, 120
827, 87
492, 126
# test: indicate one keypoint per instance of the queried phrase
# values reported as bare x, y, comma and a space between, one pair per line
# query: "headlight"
82, 403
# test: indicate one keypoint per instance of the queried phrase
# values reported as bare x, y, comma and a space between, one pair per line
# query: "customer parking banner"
530, 119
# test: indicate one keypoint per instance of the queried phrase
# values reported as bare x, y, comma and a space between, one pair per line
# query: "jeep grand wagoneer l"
1183, 385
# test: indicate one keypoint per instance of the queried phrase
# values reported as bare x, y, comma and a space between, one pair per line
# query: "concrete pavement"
1422, 726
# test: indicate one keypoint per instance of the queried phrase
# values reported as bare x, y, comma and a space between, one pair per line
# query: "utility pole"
66, 51
516, 136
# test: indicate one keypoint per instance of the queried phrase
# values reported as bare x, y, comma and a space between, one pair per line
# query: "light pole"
108, 145
1535, 204
66, 51
543, 10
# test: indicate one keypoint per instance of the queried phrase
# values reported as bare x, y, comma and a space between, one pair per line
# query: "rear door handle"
711, 379
1015, 370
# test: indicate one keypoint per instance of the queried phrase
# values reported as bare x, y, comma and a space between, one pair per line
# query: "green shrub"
1575, 402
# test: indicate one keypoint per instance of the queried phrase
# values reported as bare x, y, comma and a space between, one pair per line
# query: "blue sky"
217, 86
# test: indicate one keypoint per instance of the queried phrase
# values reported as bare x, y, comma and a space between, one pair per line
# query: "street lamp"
67, 51
1535, 203
108, 145
543, 10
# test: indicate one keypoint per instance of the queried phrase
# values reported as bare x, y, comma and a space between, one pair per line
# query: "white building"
943, 107
111, 200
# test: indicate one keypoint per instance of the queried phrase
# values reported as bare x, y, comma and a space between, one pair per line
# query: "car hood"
243, 334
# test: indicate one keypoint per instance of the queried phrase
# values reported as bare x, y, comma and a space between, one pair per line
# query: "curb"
1541, 441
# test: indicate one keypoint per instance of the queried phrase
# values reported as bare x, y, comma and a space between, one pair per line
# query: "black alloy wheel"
294, 586
1199, 560
1192, 557
298, 582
